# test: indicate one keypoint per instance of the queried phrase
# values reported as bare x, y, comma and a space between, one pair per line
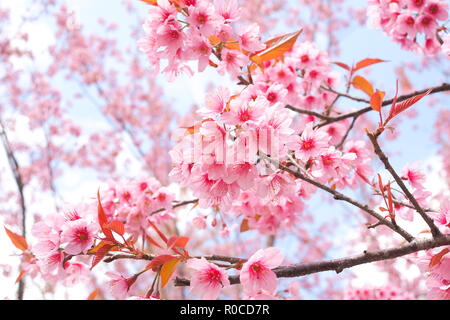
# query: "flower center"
271, 97
433, 8
410, 21
201, 19
174, 34
307, 144
82, 235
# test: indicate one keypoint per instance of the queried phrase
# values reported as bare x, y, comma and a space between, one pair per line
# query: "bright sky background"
356, 44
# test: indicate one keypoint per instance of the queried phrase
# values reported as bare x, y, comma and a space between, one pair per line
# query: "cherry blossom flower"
78, 236
232, 62
202, 16
256, 273
119, 285
248, 37
208, 279
310, 144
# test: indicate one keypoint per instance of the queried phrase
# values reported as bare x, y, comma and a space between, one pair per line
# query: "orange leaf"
391, 206
18, 241
93, 294
275, 48
376, 100
101, 244
367, 62
195, 205
167, 270
22, 273
362, 84
437, 257
177, 242
398, 108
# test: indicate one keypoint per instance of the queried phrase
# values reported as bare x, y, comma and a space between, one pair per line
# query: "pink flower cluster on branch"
415, 24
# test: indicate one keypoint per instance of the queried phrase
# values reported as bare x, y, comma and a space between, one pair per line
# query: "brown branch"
149, 257
340, 144
429, 221
180, 204
338, 265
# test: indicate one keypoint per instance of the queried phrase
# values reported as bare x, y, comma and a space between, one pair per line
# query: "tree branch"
338, 265
429, 221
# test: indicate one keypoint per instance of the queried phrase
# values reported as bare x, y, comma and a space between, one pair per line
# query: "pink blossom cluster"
195, 30
387, 292
73, 234
412, 23
300, 79
135, 202
220, 159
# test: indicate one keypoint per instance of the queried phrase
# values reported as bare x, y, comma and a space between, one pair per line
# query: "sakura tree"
293, 172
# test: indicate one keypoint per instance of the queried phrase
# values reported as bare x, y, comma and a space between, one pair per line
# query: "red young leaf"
437, 257
18, 241
159, 260
116, 226
102, 220
177, 242
342, 65
161, 235
380, 184
150, 239
366, 62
